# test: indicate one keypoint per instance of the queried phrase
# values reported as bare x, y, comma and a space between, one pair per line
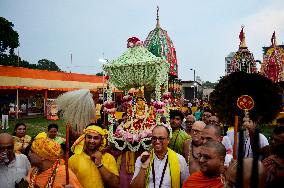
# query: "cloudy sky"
203, 32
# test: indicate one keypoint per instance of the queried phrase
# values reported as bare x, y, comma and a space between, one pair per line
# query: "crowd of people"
198, 153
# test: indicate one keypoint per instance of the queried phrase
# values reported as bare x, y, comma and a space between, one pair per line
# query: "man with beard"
47, 171
211, 161
191, 148
92, 166
161, 167
13, 167
179, 136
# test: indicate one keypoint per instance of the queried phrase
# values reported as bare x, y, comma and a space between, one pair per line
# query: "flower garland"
51, 178
109, 107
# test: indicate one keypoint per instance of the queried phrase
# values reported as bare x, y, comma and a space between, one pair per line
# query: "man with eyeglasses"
161, 167
189, 120
13, 167
192, 147
206, 115
179, 136
211, 161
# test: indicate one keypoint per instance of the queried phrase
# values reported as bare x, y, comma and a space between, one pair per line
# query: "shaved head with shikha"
211, 160
212, 157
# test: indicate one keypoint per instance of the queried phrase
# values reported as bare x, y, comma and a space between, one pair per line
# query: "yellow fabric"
130, 162
46, 148
87, 172
174, 168
20, 143
57, 139
78, 145
193, 109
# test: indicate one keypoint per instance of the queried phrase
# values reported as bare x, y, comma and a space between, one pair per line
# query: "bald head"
160, 127
7, 146
214, 128
219, 147
199, 124
6, 138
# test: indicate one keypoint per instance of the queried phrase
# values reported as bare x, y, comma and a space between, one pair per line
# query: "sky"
203, 32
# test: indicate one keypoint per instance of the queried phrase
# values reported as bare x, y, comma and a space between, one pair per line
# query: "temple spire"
242, 38
273, 39
158, 20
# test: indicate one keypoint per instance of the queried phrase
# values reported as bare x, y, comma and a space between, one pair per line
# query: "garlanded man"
13, 167
161, 167
191, 148
211, 161
179, 135
92, 166
47, 171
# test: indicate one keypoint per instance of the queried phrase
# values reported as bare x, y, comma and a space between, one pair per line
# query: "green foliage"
45, 64
208, 84
100, 74
36, 125
9, 39
265, 93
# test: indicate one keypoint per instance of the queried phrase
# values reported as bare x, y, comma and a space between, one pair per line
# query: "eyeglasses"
189, 122
205, 115
161, 139
213, 122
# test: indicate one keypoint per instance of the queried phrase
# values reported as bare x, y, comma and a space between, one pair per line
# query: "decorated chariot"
137, 70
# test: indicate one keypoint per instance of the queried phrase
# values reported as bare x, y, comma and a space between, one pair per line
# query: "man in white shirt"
13, 167
249, 134
161, 167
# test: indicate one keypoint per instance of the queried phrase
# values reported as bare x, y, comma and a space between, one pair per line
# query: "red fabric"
199, 180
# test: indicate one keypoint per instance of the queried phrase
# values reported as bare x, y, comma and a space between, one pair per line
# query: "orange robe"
199, 180
60, 179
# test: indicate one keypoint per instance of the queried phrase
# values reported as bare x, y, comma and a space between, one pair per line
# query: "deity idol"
140, 119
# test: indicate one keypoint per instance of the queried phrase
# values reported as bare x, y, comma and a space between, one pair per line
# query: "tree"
265, 93
45, 64
9, 38
208, 84
100, 74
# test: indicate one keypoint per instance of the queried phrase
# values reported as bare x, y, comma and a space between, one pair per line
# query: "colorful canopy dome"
137, 67
273, 62
159, 43
243, 59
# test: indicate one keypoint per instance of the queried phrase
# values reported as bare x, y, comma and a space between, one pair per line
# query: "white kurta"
158, 166
14, 172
